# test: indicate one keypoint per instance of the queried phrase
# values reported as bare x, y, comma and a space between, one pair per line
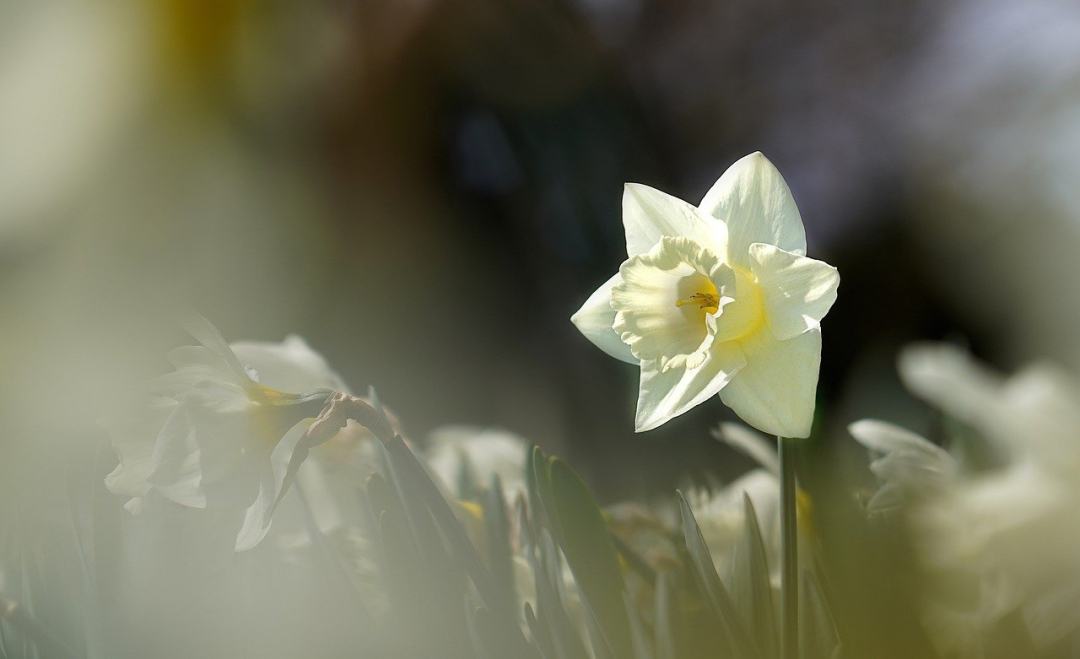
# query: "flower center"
708, 302
679, 299
665, 299
744, 314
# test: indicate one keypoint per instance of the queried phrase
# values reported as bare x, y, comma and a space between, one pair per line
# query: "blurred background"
427, 189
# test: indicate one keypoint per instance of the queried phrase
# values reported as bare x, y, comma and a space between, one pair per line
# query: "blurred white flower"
222, 428
1012, 530
717, 299
465, 458
721, 515
720, 511
907, 465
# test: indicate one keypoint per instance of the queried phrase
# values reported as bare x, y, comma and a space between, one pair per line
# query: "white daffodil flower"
222, 429
717, 299
721, 516
466, 457
909, 467
1011, 530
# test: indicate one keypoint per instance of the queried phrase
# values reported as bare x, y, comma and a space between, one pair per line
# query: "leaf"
1011, 636
752, 444
499, 554
551, 599
489, 640
540, 490
415, 478
601, 649
711, 586
478, 620
539, 632
45, 641
750, 584
416, 505
586, 541
637, 632
544, 558
633, 560
818, 636
663, 634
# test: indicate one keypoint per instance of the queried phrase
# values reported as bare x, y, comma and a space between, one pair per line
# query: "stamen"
707, 301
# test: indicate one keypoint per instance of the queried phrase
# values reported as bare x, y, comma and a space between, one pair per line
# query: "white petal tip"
647, 424
246, 542
865, 431
755, 158
134, 506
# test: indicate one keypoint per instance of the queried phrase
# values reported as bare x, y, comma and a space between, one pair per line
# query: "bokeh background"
427, 189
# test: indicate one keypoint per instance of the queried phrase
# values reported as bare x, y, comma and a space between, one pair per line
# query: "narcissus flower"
466, 458
717, 299
995, 537
223, 428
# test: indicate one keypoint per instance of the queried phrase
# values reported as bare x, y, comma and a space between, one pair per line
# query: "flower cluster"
1007, 532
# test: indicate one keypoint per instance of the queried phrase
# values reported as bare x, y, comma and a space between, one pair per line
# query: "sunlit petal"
754, 201
775, 392
595, 319
798, 291
667, 393
649, 215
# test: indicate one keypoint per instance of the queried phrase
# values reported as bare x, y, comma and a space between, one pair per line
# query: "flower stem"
789, 545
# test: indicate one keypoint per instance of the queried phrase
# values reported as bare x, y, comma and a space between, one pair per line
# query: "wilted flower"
222, 428
1011, 529
717, 299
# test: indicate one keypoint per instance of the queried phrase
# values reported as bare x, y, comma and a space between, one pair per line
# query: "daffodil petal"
798, 291
776, 389
129, 440
176, 460
326, 512
665, 394
203, 331
906, 464
751, 443
272, 486
649, 215
901, 455
947, 376
754, 201
595, 318
1037, 405
648, 316
290, 366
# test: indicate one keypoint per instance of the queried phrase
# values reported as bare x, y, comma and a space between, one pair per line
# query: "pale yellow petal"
797, 291
948, 377
654, 313
290, 365
595, 319
754, 201
649, 215
775, 392
272, 472
667, 393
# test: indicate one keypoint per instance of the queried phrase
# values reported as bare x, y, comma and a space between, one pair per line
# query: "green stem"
789, 545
